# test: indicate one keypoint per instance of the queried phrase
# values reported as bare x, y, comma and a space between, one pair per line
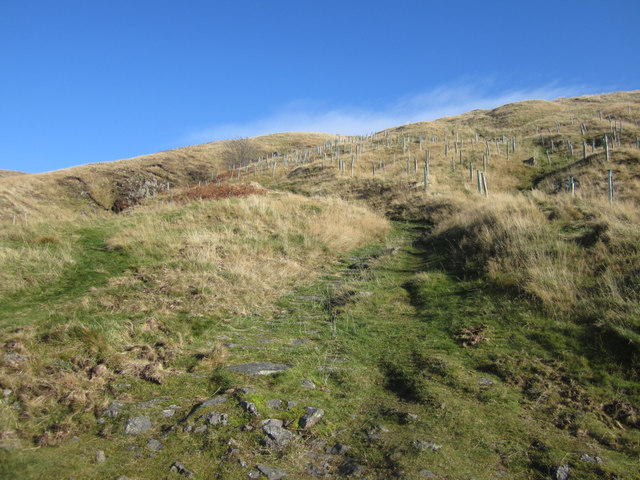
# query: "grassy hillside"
443, 331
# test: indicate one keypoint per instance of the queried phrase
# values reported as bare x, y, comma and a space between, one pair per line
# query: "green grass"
394, 329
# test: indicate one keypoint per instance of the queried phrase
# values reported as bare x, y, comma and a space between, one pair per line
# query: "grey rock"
365, 294
242, 463
318, 444
254, 474
150, 403
485, 382
217, 400
299, 341
427, 473
215, 418
409, 417
181, 469
271, 473
350, 467
339, 449
168, 412
247, 390
75, 438
15, 359
307, 384
100, 421
100, 457
250, 407
590, 458
274, 404
311, 418
114, 409
137, 425
291, 404
315, 471
200, 429
155, 445
562, 472
420, 445
259, 368
122, 477
277, 436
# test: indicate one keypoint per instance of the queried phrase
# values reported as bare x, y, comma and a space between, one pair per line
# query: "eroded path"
389, 366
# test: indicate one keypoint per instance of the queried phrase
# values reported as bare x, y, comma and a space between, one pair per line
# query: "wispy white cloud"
305, 116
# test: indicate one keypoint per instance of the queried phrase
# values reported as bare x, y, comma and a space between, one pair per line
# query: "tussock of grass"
577, 259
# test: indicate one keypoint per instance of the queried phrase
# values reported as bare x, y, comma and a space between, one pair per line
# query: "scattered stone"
100, 421
137, 425
200, 429
590, 458
259, 368
339, 449
350, 467
181, 469
215, 418
15, 359
311, 298
150, 403
291, 404
250, 407
315, 471
254, 474
75, 438
122, 477
307, 384
365, 294
420, 445
299, 341
561, 472
318, 444
427, 474
168, 412
271, 473
247, 390
311, 418
231, 345
374, 433
277, 436
242, 463
248, 427
409, 418
100, 457
155, 445
122, 385
274, 404
485, 382
114, 409
217, 400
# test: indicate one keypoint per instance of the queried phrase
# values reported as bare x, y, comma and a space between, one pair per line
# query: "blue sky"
89, 81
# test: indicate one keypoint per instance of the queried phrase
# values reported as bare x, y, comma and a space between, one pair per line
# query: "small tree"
239, 152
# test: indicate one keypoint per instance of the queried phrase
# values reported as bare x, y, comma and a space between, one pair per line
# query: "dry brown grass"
573, 256
232, 249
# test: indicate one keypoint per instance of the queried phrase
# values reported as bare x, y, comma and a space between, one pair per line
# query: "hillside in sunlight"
451, 299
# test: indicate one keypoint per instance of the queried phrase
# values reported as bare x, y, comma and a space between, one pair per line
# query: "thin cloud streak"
437, 103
